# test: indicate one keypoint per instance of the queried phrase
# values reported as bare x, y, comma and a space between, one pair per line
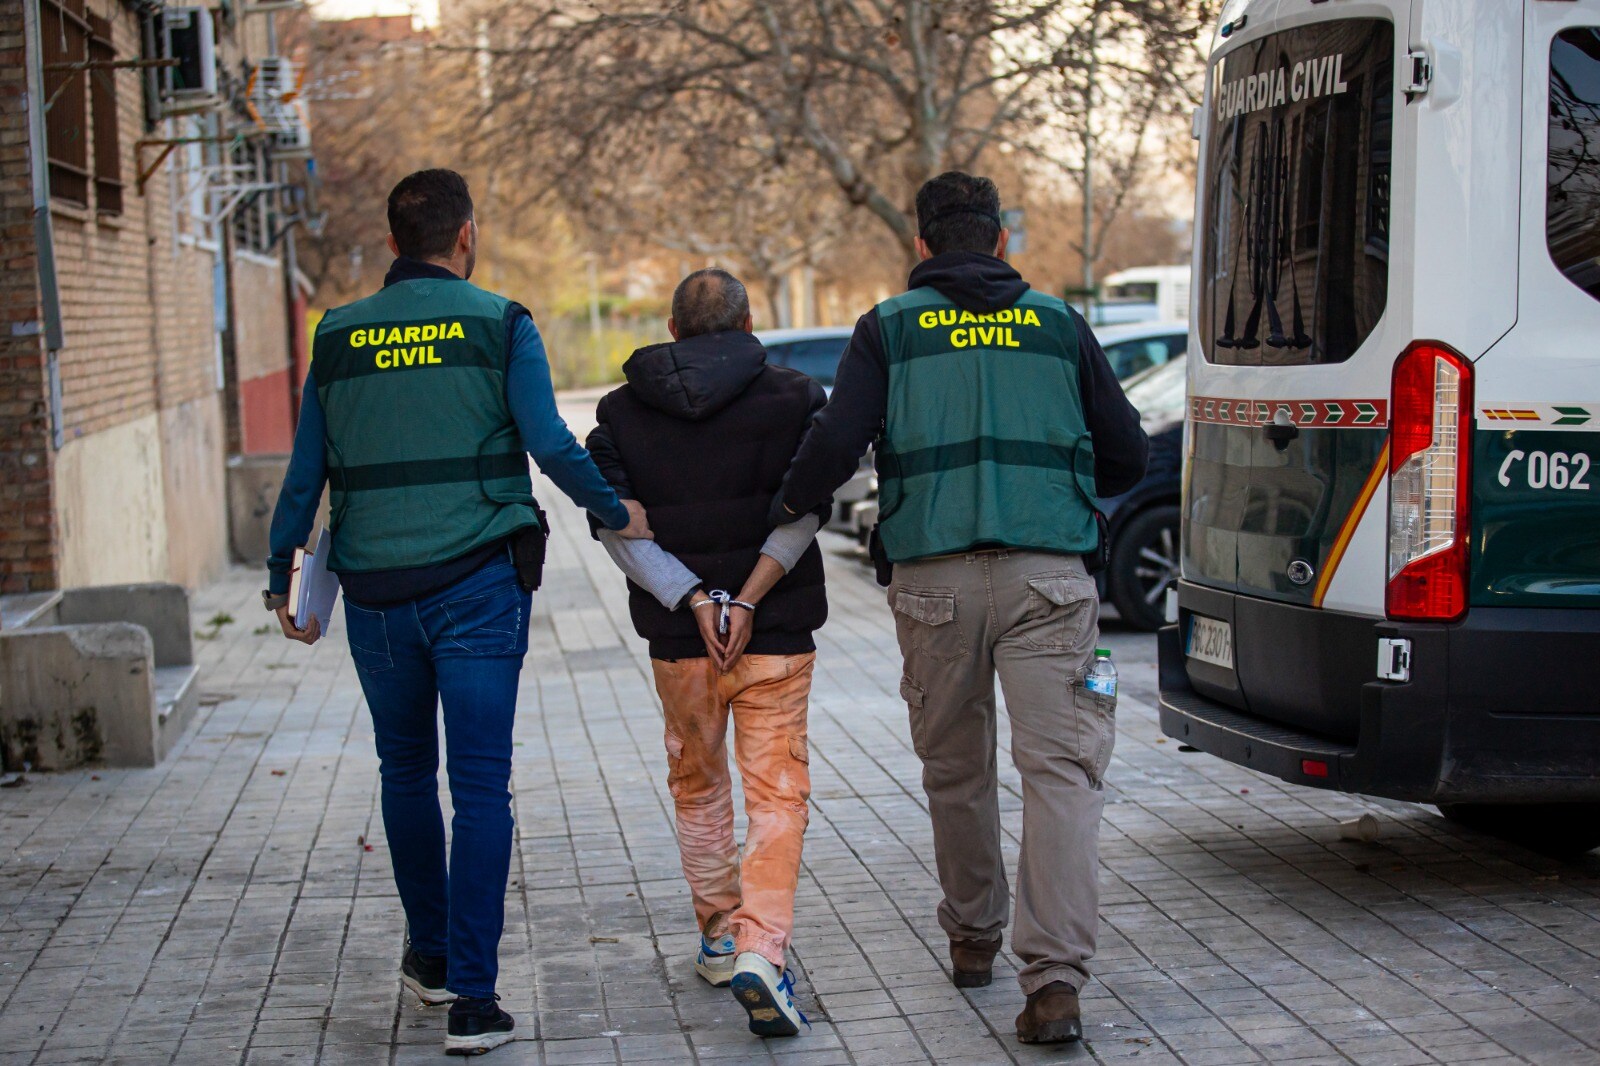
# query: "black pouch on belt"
1099, 557
527, 552
882, 568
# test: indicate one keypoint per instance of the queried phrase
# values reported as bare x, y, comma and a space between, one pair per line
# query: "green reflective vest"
984, 442
425, 463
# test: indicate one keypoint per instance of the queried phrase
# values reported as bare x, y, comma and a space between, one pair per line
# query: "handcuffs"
727, 603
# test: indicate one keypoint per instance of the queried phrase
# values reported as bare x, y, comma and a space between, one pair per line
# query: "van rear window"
1572, 190
1297, 195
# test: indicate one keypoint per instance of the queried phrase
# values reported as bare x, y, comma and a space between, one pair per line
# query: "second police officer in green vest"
998, 421
421, 408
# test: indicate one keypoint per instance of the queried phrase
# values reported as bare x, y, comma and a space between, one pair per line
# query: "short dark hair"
709, 301
959, 212
426, 211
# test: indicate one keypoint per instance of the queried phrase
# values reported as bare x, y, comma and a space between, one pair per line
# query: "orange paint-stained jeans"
768, 695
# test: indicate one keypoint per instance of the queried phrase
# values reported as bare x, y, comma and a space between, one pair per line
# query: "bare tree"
683, 196
869, 97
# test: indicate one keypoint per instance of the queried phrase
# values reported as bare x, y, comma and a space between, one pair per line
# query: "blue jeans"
462, 647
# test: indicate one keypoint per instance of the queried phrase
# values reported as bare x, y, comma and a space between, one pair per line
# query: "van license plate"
1211, 641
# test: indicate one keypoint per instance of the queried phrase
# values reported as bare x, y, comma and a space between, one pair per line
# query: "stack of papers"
313, 588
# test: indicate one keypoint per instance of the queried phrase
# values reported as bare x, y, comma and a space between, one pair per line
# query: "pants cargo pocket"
926, 620
1095, 720
912, 693
1058, 610
674, 745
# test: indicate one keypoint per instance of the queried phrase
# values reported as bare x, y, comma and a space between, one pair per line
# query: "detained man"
701, 435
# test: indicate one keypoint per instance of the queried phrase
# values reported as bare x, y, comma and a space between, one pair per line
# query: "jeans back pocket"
489, 623
369, 638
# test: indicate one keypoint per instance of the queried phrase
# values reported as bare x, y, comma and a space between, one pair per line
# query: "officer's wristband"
273, 602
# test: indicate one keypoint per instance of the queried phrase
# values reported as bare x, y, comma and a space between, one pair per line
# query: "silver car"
816, 352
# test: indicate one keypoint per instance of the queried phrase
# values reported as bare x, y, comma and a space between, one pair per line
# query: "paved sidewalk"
235, 904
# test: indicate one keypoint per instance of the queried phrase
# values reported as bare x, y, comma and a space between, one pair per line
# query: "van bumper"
1503, 707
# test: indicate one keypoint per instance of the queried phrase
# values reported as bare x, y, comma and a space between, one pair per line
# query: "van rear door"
1536, 457
1287, 426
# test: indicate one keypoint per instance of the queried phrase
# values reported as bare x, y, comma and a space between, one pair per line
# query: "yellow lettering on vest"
408, 356
928, 319
413, 334
455, 332
1010, 341
383, 359
430, 332
959, 338
1029, 318
967, 316
358, 338
947, 318
432, 358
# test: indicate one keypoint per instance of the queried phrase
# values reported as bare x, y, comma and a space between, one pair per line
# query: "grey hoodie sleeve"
787, 543
651, 567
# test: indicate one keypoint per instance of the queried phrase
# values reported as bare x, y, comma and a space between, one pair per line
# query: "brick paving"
235, 904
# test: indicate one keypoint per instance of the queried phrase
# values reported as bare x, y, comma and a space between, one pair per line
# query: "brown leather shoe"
972, 962
1051, 1016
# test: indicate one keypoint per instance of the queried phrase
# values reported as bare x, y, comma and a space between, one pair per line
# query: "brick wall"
27, 558
137, 491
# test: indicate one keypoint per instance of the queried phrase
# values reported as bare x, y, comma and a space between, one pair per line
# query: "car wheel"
1566, 830
1144, 565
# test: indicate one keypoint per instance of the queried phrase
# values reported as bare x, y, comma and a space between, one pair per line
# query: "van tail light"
1430, 488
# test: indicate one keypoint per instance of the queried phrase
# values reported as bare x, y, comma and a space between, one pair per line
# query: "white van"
1164, 289
1391, 530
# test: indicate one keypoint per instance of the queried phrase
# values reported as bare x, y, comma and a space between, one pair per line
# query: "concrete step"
177, 698
95, 676
28, 609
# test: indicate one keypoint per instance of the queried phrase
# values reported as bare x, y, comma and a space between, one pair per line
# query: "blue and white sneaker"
767, 996
716, 960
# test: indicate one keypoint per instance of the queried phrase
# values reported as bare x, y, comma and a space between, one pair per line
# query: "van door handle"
1281, 433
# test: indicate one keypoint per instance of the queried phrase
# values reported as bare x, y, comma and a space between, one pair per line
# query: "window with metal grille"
65, 33
252, 218
103, 108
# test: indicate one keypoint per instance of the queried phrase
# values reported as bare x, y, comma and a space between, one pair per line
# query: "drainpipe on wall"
43, 230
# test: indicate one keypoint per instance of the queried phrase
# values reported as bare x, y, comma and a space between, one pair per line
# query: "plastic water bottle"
1102, 676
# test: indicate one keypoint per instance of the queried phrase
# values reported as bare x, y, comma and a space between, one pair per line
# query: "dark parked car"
1144, 522
816, 351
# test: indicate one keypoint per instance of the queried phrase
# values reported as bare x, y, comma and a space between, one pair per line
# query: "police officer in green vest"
998, 423
419, 413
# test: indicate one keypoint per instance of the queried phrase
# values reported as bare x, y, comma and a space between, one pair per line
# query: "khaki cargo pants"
1031, 618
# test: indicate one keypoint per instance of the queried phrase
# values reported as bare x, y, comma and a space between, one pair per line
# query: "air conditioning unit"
273, 79
290, 138
188, 35
273, 100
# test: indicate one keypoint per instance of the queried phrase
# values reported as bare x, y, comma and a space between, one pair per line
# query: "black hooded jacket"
701, 434
855, 414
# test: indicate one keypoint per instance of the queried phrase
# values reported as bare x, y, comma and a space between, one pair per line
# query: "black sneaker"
425, 975
477, 1026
